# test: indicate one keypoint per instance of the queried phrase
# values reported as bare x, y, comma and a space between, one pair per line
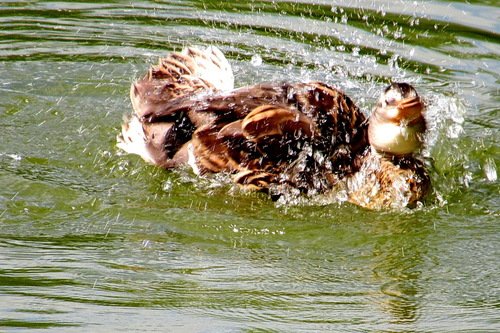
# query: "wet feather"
275, 137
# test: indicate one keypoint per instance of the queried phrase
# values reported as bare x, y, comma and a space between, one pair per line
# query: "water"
92, 240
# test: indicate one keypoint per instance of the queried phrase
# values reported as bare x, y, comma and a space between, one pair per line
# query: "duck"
304, 138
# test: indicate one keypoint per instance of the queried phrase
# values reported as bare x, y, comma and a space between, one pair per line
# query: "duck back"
278, 132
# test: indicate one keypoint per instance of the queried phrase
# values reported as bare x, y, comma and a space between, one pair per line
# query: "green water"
95, 241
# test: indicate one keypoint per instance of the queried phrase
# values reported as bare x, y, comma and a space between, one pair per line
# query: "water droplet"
440, 199
393, 63
167, 186
467, 179
256, 60
316, 96
454, 131
490, 169
342, 196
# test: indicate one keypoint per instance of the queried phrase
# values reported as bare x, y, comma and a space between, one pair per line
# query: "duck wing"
307, 135
264, 138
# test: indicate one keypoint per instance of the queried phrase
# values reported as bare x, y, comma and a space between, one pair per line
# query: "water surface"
92, 240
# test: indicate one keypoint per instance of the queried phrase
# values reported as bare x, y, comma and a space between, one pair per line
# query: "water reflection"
398, 260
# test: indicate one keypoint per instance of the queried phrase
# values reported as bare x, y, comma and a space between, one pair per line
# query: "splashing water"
92, 240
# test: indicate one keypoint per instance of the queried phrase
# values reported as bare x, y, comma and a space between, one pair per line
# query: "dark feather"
305, 136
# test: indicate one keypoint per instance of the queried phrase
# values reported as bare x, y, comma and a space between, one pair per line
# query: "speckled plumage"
307, 136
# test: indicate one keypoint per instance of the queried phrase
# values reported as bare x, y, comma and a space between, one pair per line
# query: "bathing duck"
306, 137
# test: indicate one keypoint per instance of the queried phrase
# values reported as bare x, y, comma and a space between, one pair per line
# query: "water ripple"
127, 246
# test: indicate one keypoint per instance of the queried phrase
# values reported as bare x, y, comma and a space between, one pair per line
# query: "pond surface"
94, 240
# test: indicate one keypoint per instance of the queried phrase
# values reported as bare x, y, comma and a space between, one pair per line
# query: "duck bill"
410, 109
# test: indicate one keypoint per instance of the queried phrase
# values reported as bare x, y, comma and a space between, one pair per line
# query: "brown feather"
389, 182
254, 180
269, 120
268, 125
309, 137
212, 151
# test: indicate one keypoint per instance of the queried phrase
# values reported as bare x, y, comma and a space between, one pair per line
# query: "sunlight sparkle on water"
256, 60
490, 169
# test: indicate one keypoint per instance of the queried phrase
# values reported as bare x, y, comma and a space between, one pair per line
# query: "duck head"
396, 126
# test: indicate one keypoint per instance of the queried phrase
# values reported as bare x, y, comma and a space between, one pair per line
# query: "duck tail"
132, 139
189, 72
208, 65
